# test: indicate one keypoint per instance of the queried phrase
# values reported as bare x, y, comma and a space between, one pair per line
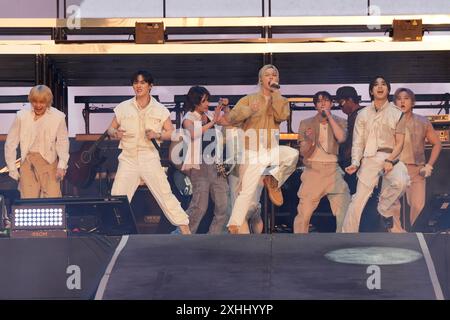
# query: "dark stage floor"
278, 266
282, 266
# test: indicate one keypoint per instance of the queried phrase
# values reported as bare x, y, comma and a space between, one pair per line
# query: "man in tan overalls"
136, 123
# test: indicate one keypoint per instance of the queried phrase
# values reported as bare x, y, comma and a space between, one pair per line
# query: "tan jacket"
314, 123
376, 130
54, 146
418, 127
265, 121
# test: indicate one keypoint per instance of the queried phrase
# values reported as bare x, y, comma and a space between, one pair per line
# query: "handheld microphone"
155, 144
323, 113
275, 85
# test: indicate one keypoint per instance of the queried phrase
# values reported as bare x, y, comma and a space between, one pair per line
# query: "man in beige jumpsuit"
377, 142
319, 139
136, 123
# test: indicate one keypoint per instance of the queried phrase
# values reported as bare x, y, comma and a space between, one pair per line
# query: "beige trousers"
415, 195
318, 180
38, 178
393, 187
147, 165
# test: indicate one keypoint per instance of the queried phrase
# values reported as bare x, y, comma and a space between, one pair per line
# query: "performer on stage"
377, 142
253, 221
260, 115
348, 100
139, 123
418, 128
205, 178
44, 146
319, 139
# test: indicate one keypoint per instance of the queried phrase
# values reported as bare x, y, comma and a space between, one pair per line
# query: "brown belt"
386, 150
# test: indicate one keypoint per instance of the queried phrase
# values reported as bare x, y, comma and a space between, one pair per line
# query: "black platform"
278, 266
265, 267
37, 268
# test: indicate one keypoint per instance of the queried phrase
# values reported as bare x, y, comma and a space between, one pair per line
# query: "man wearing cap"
348, 101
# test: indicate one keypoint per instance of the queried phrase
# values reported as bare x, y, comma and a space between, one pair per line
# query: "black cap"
347, 92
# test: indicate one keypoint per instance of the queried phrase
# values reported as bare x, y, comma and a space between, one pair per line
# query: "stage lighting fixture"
38, 221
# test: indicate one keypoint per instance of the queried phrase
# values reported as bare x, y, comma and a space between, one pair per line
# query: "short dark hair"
195, 97
324, 94
373, 82
145, 74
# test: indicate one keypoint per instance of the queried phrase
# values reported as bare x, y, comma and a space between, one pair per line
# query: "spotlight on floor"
374, 255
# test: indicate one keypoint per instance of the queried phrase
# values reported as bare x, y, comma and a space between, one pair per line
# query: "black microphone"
275, 85
324, 115
158, 148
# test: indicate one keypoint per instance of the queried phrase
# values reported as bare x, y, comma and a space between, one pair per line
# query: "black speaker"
437, 185
440, 213
3, 215
439, 182
148, 215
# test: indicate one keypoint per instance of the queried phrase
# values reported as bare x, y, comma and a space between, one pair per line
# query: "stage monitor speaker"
3, 215
149, 33
440, 213
148, 214
106, 216
436, 185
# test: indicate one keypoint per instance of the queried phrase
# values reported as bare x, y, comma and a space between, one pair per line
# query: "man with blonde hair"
418, 129
260, 115
44, 146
